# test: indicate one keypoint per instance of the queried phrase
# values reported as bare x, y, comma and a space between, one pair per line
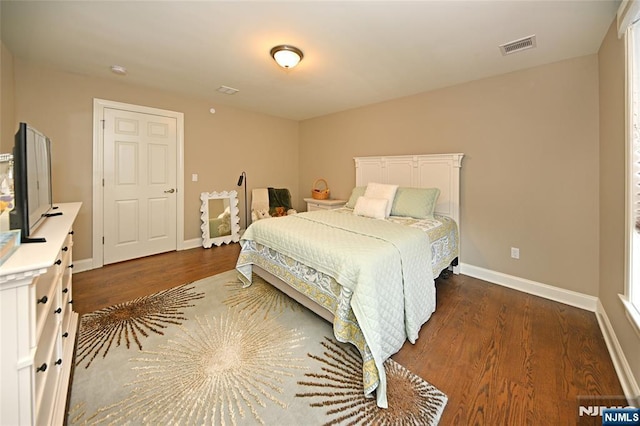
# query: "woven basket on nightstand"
320, 194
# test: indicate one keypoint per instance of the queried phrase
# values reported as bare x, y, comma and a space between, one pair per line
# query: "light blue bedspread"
386, 266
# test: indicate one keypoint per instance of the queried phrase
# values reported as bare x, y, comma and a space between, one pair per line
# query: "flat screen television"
32, 182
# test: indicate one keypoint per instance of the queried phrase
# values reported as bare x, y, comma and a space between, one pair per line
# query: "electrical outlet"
194, 177
515, 253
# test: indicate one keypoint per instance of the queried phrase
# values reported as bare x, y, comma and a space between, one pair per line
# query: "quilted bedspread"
386, 267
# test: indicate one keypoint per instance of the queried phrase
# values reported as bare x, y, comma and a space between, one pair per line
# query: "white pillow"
381, 190
371, 207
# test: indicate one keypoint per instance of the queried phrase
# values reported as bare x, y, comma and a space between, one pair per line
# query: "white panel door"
139, 184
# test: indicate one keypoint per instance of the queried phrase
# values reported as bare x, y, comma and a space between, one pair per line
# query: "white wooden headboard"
419, 171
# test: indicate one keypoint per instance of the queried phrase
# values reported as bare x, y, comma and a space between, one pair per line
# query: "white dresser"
38, 325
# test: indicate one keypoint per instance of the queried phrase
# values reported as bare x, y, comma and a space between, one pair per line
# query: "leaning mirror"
220, 219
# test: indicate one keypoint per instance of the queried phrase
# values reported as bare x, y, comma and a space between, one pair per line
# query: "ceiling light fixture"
287, 56
118, 69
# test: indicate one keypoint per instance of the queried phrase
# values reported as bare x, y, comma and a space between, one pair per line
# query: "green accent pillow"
419, 203
358, 191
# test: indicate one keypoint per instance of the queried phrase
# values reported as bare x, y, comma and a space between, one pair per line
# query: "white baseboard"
620, 363
87, 264
192, 243
82, 265
567, 297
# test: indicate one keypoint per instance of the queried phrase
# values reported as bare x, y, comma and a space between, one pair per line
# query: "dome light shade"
118, 69
286, 56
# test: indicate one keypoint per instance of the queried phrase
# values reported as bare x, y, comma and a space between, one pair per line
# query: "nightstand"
313, 204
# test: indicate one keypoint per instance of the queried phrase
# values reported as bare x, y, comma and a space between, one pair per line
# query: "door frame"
99, 106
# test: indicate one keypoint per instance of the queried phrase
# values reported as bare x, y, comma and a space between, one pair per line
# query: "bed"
372, 279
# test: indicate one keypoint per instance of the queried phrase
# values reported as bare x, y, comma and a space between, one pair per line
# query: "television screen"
38, 185
32, 181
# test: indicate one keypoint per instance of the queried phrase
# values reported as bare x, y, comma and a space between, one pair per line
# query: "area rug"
212, 352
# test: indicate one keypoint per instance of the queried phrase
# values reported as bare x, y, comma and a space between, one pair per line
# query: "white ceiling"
356, 52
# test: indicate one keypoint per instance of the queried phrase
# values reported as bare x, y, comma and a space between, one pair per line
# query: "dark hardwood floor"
120, 282
502, 357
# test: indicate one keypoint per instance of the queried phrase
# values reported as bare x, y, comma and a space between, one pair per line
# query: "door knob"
170, 191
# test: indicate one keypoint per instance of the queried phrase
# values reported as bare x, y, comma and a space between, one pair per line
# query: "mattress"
324, 289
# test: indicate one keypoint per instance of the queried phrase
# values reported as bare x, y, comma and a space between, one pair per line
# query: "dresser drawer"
44, 285
65, 252
67, 311
44, 361
66, 291
312, 207
313, 204
47, 384
66, 288
47, 301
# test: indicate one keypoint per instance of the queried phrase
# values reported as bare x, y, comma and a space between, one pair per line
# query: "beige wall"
611, 61
217, 147
529, 177
7, 121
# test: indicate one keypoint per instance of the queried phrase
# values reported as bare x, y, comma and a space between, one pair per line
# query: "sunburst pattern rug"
212, 352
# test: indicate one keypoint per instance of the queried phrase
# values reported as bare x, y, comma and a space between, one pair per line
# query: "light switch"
194, 177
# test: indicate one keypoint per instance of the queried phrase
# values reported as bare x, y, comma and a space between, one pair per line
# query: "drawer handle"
65, 248
66, 290
42, 368
44, 300
59, 361
71, 302
65, 334
70, 232
71, 266
59, 261
57, 311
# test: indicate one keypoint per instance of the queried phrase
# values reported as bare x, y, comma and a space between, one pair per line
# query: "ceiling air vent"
227, 90
518, 45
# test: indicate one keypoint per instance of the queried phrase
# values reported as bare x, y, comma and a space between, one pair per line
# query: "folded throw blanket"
279, 197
